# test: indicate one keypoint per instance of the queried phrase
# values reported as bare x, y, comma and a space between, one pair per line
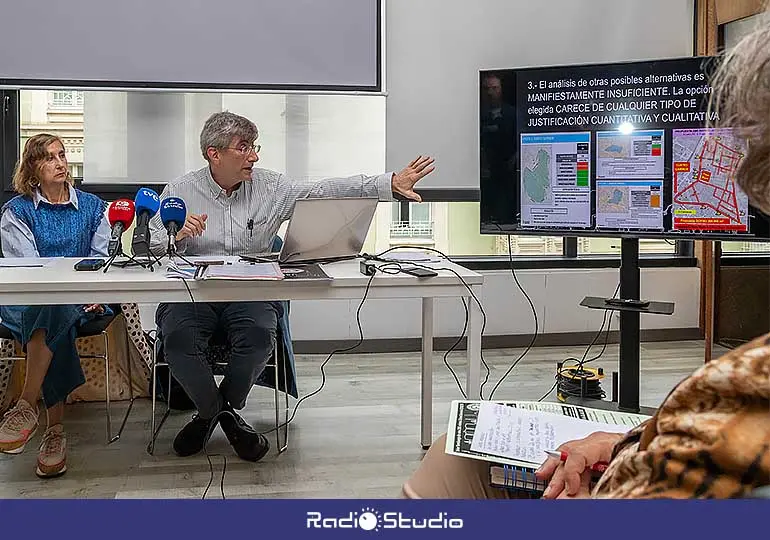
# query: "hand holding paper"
525, 434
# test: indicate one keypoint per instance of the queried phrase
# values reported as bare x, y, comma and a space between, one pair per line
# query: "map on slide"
555, 181
536, 173
614, 147
612, 200
706, 196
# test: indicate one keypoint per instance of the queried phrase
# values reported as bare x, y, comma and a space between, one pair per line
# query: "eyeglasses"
246, 149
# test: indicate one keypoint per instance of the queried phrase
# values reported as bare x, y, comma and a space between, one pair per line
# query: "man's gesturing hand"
194, 225
404, 181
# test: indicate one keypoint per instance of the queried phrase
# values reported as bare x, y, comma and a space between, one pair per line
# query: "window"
411, 221
611, 246
453, 229
140, 138
745, 247
65, 99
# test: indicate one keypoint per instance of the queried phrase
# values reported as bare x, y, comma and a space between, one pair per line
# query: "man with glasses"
235, 208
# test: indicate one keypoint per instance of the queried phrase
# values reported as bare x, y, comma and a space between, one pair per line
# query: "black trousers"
250, 328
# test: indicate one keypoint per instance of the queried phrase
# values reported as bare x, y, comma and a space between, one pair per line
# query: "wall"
556, 295
435, 49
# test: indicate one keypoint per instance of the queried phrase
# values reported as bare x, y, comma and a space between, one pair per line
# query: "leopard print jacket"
709, 439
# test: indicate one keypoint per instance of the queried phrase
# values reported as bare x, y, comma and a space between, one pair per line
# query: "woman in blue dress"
48, 218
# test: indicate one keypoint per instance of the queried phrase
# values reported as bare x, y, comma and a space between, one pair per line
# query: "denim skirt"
61, 324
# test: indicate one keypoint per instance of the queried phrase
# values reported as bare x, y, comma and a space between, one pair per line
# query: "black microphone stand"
131, 260
171, 251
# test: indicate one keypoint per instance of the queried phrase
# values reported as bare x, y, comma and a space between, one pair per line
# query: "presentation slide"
556, 180
705, 193
636, 155
629, 204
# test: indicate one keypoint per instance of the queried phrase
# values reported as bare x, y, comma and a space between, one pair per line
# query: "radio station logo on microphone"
123, 204
370, 519
173, 203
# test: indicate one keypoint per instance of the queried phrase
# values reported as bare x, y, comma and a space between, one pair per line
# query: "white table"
59, 283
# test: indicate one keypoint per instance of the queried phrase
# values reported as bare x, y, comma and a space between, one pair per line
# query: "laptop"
325, 230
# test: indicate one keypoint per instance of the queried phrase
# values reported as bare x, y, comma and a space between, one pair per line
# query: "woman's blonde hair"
741, 98
25, 177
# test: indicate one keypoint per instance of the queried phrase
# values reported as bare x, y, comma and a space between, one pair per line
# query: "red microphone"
120, 214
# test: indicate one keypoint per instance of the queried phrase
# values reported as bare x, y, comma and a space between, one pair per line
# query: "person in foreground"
710, 438
49, 218
235, 208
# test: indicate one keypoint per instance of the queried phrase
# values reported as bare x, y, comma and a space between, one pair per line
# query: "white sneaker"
17, 427
52, 459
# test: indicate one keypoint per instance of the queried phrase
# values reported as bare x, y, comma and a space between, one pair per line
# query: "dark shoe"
247, 443
192, 438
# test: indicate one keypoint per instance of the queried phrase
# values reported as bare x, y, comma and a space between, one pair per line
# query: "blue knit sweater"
60, 230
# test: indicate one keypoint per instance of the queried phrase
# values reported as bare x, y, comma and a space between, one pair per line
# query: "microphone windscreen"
121, 211
173, 210
146, 200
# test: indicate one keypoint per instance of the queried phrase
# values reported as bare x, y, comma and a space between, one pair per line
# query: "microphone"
146, 203
120, 215
172, 213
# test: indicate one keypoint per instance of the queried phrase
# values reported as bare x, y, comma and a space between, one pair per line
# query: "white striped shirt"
265, 202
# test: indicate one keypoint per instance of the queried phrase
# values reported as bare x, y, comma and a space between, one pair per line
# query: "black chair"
97, 327
279, 375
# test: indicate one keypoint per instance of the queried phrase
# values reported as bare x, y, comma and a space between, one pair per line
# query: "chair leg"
110, 437
280, 361
284, 356
107, 386
153, 430
151, 445
277, 414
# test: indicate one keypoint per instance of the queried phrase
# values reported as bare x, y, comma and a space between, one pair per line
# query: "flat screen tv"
619, 149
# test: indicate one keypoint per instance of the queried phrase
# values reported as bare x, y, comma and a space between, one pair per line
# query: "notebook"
512, 462
520, 479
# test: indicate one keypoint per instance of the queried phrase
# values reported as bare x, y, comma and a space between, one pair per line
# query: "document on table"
244, 271
525, 435
24, 262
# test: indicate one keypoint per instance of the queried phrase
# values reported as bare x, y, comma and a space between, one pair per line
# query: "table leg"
426, 403
473, 368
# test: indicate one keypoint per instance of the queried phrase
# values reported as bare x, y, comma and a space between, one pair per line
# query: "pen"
598, 467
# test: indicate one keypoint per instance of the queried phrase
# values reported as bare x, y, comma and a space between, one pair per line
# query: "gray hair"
223, 127
741, 99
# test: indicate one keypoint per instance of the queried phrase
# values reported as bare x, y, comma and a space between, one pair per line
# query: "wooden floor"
358, 438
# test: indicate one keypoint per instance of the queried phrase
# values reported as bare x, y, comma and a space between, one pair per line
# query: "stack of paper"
518, 432
24, 262
227, 271
181, 270
244, 271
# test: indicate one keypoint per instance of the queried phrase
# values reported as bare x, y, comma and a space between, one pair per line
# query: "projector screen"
433, 68
195, 44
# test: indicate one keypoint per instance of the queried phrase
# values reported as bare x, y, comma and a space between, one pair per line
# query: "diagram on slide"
555, 180
706, 196
636, 155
